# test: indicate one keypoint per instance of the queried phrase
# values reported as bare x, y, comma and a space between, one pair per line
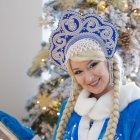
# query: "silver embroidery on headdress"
82, 45
73, 27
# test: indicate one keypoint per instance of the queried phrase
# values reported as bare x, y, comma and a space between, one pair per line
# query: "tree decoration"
119, 18
38, 62
44, 22
91, 1
135, 16
46, 102
121, 5
43, 100
65, 4
46, 128
130, 61
47, 19
124, 39
102, 6
47, 10
137, 35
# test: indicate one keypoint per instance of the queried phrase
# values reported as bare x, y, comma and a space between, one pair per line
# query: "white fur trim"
95, 130
83, 128
100, 109
93, 133
95, 109
128, 94
84, 103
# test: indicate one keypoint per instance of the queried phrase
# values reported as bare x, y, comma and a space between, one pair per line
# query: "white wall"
20, 38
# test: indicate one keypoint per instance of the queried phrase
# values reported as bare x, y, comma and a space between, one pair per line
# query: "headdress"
73, 27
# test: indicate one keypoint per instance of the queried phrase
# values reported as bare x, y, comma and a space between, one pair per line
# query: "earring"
110, 68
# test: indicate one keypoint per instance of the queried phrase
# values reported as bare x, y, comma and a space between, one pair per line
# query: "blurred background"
20, 38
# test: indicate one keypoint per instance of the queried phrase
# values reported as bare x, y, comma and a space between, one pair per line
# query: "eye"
92, 65
78, 72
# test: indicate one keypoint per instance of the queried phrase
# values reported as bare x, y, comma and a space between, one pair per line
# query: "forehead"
77, 64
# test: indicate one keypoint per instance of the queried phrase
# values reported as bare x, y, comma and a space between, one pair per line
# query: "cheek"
103, 72
78, 79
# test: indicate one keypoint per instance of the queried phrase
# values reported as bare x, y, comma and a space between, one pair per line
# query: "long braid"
112, 125
67, 112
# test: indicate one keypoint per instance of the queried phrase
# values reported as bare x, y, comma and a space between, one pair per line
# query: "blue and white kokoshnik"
73, 27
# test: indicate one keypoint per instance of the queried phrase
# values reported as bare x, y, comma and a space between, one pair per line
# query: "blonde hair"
114, 116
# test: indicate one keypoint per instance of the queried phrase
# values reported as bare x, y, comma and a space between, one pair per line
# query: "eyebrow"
87, 64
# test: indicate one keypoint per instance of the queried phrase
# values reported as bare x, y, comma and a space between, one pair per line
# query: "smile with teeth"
95, 83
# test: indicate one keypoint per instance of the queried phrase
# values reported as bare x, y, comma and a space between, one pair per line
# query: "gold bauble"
55, 103
115, 3
68, 4
102, 5
90, 1
43, 100
81, 10
121, 5
136, 15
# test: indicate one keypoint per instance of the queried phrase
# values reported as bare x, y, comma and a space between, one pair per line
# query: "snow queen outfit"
115, 115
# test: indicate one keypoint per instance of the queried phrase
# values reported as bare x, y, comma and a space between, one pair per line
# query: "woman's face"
92, 76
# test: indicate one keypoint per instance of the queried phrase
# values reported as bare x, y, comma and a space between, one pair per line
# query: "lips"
95, 83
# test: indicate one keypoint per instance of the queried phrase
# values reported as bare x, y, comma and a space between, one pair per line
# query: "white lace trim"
82, 45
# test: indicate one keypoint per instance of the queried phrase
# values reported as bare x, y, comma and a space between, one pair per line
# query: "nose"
89, 77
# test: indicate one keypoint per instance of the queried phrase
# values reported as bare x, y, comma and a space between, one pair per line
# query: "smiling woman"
92, 76
99, 104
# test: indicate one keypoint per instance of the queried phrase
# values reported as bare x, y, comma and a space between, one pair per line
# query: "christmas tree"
55, 85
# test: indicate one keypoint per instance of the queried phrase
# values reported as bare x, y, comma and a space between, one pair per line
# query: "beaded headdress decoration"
74, 27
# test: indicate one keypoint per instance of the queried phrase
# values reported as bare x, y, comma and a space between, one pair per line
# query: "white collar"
95, 109
101, 108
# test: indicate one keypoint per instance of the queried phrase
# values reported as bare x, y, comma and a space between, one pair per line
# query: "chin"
98, 91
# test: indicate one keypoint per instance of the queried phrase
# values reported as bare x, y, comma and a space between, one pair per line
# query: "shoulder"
128, 94
133, 108
129, 122
130, 115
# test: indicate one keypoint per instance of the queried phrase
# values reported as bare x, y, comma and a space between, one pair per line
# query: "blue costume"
20, 131
77, 33
128, 127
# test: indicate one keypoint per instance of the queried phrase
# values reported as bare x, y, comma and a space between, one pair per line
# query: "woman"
100, 107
